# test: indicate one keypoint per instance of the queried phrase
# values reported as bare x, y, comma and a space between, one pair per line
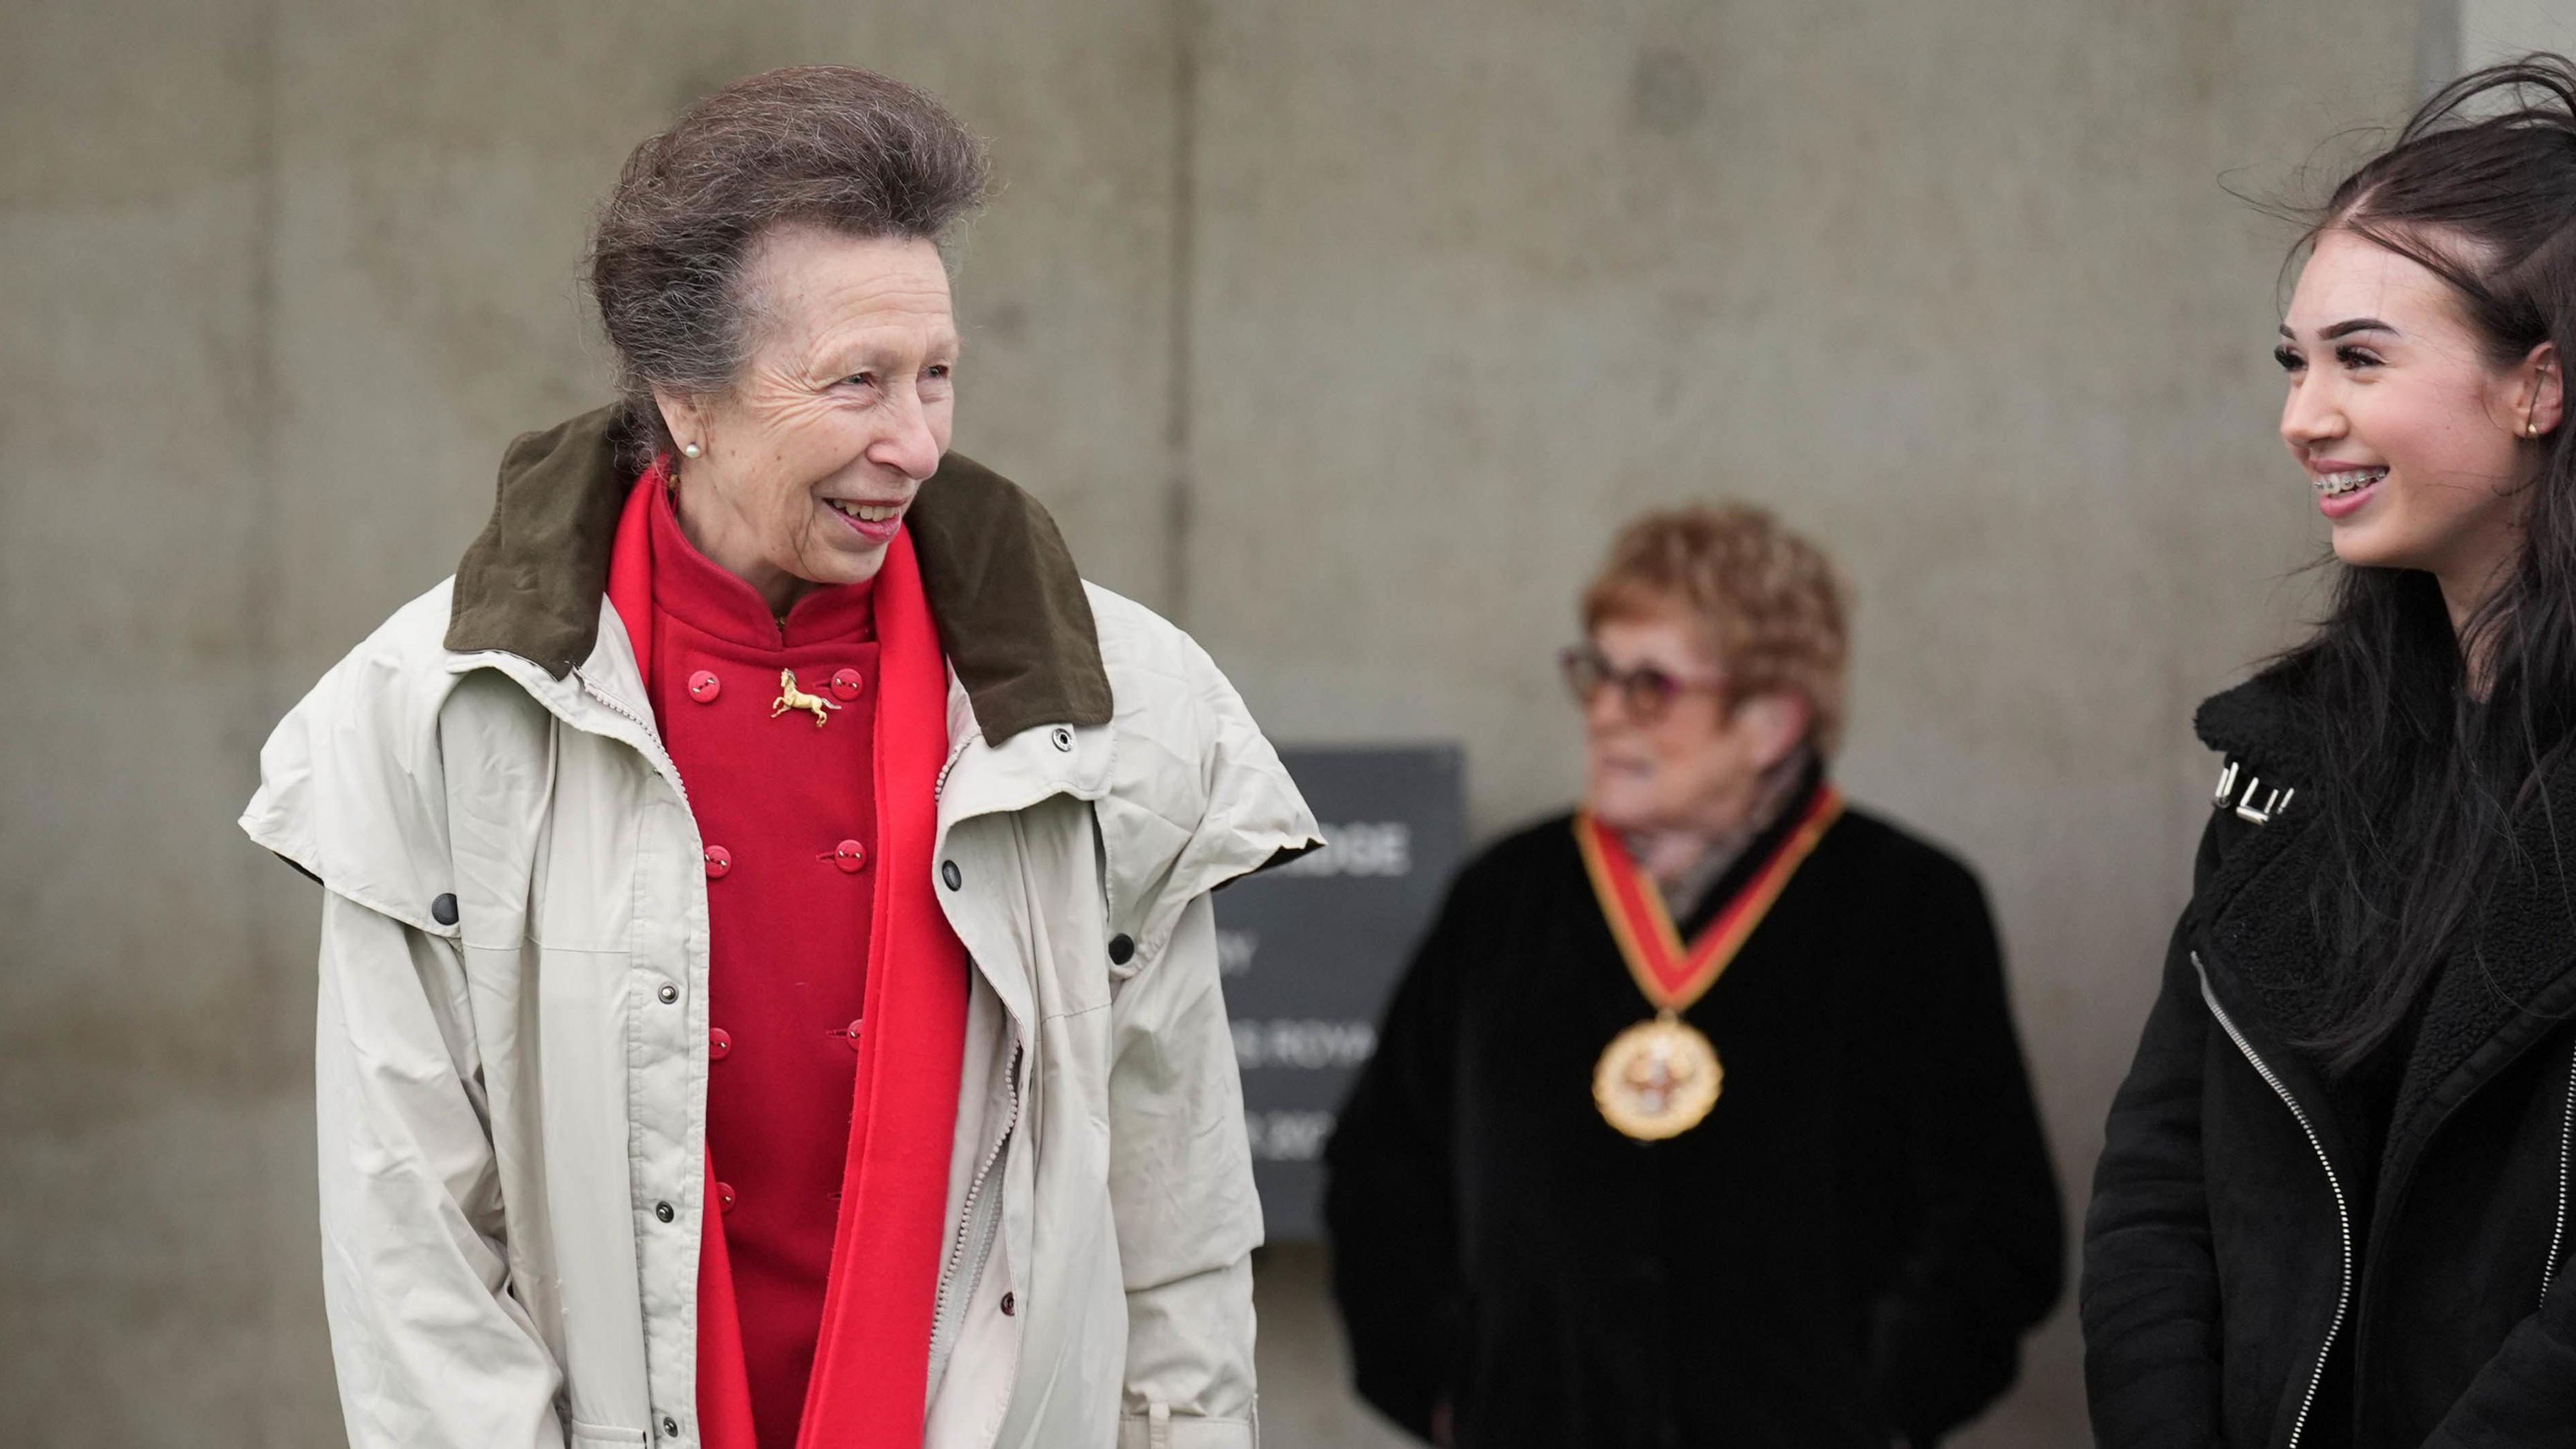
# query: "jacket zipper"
2566, 1144
956, 752
660, 758
2343, 1210
968, 1216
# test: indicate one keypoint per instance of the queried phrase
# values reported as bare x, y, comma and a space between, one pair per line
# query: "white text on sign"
1234, 951
1309, 1045
1368, 848
1288, 1136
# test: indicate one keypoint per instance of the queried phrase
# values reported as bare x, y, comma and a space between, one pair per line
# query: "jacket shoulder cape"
352, 786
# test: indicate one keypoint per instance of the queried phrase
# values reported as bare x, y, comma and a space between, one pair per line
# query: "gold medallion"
1657, 1079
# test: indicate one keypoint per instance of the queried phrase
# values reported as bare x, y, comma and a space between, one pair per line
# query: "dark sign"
1311, 950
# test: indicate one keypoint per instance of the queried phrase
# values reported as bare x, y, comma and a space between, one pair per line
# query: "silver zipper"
940, 1326
659, 757
2566, 1143
2343, 1211
956, 752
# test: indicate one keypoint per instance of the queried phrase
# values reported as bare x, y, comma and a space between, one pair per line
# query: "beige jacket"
512, 1047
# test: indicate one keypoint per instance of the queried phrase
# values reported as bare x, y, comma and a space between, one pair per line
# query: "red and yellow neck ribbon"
1671, 977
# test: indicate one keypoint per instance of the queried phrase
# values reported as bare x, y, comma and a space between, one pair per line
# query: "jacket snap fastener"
950, 875
669, 993
664, 1211
1010, 1304
1122, 949
670, 1427
1063, 738
443, 910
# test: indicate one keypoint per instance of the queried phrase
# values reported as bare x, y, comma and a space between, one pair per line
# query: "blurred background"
1341, 331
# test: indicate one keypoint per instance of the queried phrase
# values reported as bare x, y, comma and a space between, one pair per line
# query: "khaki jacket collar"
1004, 591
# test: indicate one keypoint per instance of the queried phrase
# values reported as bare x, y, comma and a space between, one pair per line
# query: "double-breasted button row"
849, 857
720, 1042
706, 686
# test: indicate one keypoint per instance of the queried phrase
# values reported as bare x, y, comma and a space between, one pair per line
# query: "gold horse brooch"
790, 697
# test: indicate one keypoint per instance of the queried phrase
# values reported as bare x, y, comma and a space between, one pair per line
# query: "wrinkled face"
2417, 445
808, 462
1695, 765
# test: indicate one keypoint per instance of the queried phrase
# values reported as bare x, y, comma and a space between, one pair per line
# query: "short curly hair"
1772, 602
824, 145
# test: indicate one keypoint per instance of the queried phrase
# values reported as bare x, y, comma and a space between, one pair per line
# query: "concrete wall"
2498, 30
1343, 331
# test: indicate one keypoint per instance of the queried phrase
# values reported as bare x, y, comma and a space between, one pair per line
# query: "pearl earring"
691, 450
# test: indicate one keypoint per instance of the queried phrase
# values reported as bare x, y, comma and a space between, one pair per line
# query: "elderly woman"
1758, 1170
768, 982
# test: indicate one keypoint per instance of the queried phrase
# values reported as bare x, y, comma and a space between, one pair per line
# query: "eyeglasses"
1645, 692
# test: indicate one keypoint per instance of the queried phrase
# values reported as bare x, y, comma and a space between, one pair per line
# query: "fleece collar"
1004, 593
2502, 994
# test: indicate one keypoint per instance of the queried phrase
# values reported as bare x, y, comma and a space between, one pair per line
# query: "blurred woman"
2332, 1206
1698, 1118
769, 989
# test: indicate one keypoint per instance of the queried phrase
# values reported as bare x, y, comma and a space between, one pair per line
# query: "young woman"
2332, 1206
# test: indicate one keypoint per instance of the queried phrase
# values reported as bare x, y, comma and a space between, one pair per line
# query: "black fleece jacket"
2273, 1257
1845, 1252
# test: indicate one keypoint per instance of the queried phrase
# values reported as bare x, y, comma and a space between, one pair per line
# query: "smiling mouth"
2346, 481
866, 512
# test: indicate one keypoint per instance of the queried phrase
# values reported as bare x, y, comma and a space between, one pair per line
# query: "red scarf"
872, 1359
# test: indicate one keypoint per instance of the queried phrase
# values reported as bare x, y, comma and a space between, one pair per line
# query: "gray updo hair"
830, 145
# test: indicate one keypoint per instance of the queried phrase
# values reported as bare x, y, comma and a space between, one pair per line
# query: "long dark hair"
2429, 769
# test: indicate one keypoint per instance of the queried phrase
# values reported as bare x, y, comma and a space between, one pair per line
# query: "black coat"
2241, 1222
1849, 1246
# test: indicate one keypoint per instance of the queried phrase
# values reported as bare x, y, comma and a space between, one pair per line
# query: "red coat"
785, 800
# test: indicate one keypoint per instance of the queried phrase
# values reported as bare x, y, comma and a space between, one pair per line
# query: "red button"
854, 1031
719, 861
846, 683
704, 686
719, 1043
724, 1198
850, 856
